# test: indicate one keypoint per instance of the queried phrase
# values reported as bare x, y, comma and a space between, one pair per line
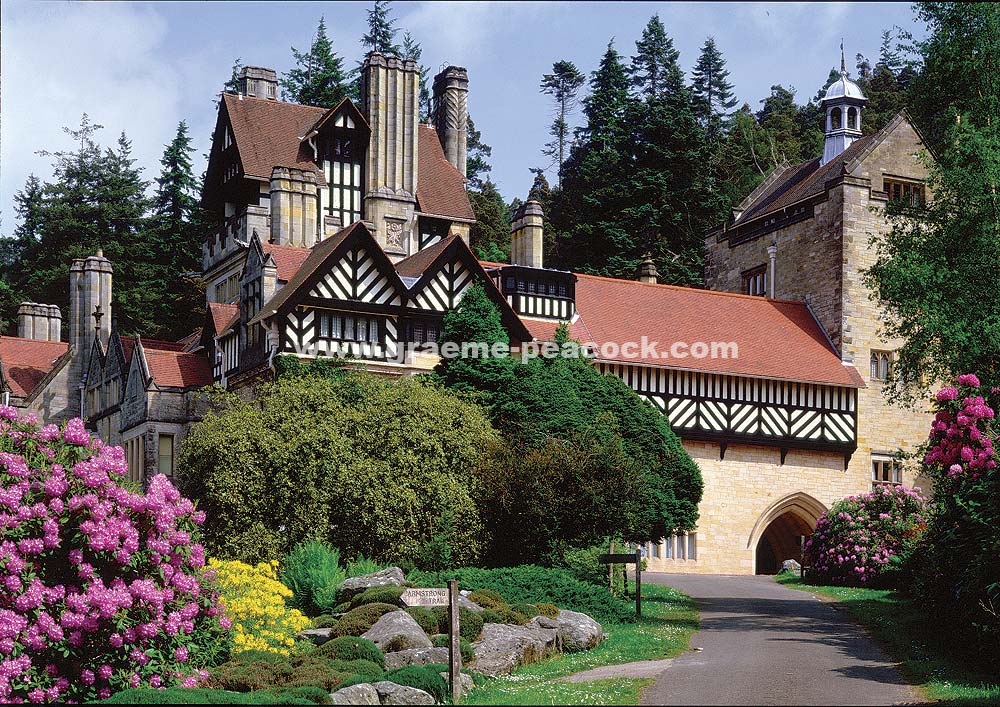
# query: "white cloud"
61, 60
457, 31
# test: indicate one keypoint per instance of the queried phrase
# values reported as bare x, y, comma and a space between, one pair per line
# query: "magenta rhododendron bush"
859, 539
102, 587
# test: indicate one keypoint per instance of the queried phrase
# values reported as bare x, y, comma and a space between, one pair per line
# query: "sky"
142, 67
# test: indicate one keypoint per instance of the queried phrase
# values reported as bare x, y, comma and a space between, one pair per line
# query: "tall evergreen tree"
477, 168
176, 194
318, 78
563, 84
490, 234
381, 35
655, 70
711, 91
412, 51
232, 85
743, 159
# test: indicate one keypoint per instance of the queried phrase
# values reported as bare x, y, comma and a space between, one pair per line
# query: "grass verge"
669, 620
910, 637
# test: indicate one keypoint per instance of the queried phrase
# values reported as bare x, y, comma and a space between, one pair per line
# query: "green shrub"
488, 599
302, 670
255, 656
357, 621
426, 678
351, 648
492, 616
357, 667
470, 624
361, 566
324, 621
529, 583
441, 640
504, 616
379, 595
342, 608
202, 696
584, 564
426, 618
528, 610
546, 609
310, 567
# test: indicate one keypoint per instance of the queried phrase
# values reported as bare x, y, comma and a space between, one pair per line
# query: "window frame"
755, 276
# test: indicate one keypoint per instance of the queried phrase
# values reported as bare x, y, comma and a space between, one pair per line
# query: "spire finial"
843, 62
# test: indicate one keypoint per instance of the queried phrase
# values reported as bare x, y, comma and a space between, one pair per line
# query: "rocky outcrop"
316, 636
416, 656
467, 684
363, 694
502, 648
397, 631
392, 694
578, 632
389, 577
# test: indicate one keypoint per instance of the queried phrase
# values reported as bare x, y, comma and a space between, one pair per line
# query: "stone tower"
390, 102
259, 82
89, 295
843, 102
451, 113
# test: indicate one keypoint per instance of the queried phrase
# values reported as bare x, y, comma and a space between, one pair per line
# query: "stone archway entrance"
777, 535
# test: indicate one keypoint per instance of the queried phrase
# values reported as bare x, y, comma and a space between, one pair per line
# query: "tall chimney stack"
41, 322
259, 82
89, 289
451, 113
527, 235
647, 271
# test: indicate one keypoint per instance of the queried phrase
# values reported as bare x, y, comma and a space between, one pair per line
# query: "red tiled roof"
177, 369
223, 316
776, 339
26, 362
191, 341
268, 134
128, 346
288, 258
803, 180
414, 265
440, 187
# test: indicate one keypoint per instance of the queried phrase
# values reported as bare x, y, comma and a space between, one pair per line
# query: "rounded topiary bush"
379, 595
425, 617
423, 678
351, 648
357, 667
861, 540
359, 620
324, 621
489, 599
528, 610
104, 586
470, 624
549, 610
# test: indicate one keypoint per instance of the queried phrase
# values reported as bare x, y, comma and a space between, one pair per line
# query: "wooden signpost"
444, 597
628, 559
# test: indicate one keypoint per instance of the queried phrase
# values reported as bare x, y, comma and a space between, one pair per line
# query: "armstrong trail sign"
444, 597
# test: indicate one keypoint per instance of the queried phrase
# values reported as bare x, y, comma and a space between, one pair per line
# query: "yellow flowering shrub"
254, 600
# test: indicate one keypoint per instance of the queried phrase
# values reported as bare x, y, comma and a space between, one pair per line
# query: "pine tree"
233, 84
607, 106
711, 91
563, 84
476, 151
381, 35
411, 51
655, 70
490, 234
176, 194
318, 78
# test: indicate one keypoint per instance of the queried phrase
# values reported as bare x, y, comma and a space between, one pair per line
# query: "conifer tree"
655, 70
711, 91
176, 194
477, 168
411, 51
233, 84
490, 234
381, 35
318, 78
563, 84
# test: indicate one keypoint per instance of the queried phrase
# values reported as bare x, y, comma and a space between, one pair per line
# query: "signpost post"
628, 559
444, 597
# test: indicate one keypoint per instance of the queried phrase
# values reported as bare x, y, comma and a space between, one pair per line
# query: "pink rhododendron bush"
103, 587
956, 569
861, 540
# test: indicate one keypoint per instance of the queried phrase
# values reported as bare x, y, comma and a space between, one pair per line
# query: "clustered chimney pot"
41, 322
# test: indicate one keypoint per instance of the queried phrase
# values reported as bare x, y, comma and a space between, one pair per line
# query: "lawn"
669, 620
910, 637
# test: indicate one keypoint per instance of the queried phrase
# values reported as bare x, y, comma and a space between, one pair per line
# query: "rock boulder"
578, 632
392, 694
316, 636
397, 631
389, 577
502, 648
416, 656
363, 694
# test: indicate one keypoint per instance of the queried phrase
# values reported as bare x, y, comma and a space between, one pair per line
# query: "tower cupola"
843, 103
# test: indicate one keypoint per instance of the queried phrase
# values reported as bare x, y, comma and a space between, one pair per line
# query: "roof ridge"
664, 285
241, 97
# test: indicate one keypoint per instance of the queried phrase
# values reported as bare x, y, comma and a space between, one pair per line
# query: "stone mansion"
344, 230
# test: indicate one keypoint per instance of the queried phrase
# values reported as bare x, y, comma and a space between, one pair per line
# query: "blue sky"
143, 66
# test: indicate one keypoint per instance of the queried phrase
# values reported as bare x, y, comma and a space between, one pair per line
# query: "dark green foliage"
502, 615
318, 78
202, 696
477, 167
492, 616
426, 678
529, 583
363, 462
310, 568
379, 595
711, 93
357, 621
351, 648
488, 599
489, 236
324, 621
358, 666
245, 674
585, 565
548, 610
425, 617
442, 640
528, 610
382, 30
470, 623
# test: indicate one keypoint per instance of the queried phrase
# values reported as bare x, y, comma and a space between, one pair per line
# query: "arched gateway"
778, 534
